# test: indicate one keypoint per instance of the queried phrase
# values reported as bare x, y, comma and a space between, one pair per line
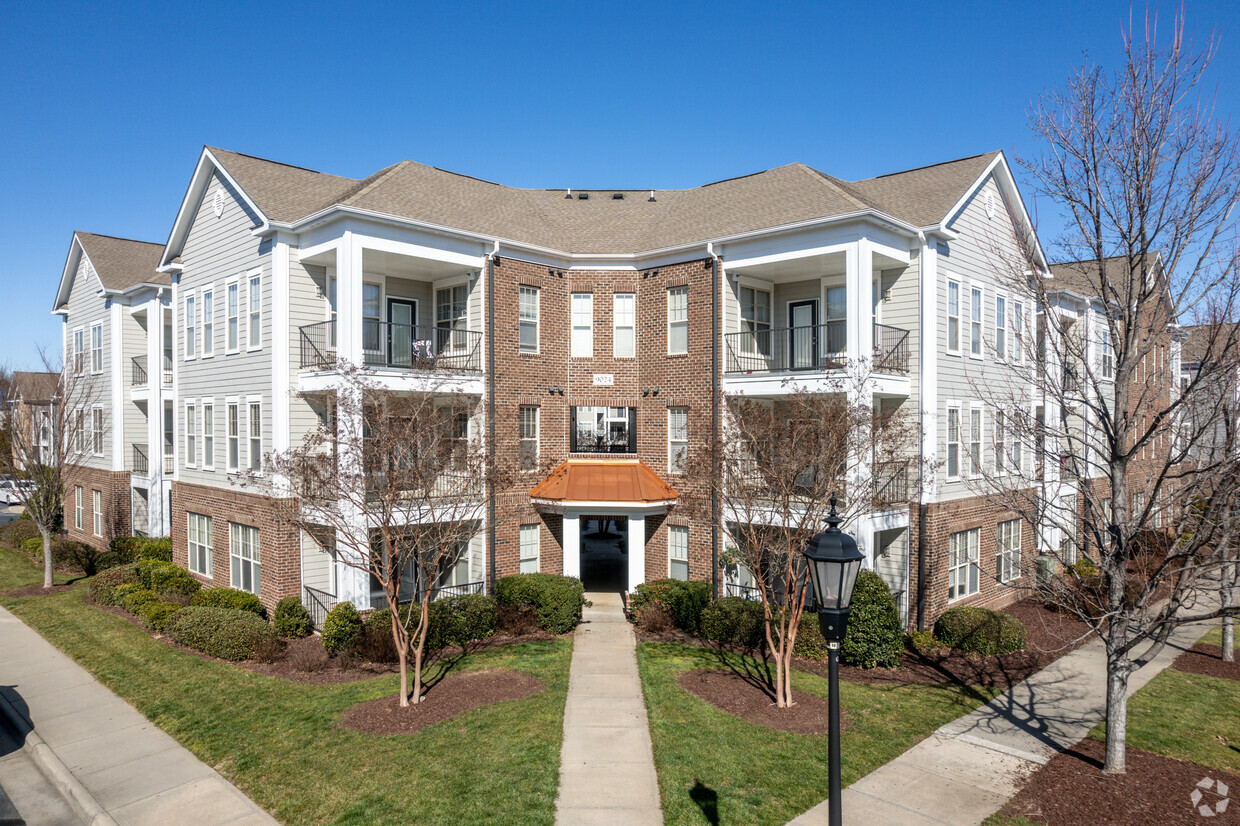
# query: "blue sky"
106, 107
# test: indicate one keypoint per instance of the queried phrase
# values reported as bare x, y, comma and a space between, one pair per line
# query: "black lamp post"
833, 565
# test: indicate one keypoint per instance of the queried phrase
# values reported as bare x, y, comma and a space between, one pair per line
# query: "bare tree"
1138, 517
52, 432
774, 471
397, 485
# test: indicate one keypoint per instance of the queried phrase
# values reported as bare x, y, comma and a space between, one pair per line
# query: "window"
975, 322
529, 320
234, 436
677, 438
962, 574
452, 316
1018, 330
755, 320
837, 321
200, 544
953, 442
370, 317
1017, 463
208, 435
1007, 563
79, 351
191, 327
97, 503
255, 338
678, 320
231, 308
528, 436
583, 325
191, 435
79, 432
678, 551
1001, 456
208, 323
975, 439
529, 549
1000, 327
243, 557
1108, 358
96, 348
953, 317
254, 426
1067, 536
77, 507
624, 322
603, 430
96, 430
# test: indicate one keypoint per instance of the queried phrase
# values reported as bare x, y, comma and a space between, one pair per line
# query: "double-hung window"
371, 337
528, 436
755, 320
529, 549
583, 325
208, 435
624, 324
79, 350
451, 317
233, 423
528, 312
191, 327
77, 507
678, 320
200, 545
191, 434
975, 439
677, 439
953, 316
1001, 455
96, 430
975, 322
1000, 327
962, 576
96, 348
232, 306
255, 338
953, 442
1108, 358
1017, 461
79, 432
208, 322
254, 431
1007, 561
244, 562
1018, 330
97, 505
678, 551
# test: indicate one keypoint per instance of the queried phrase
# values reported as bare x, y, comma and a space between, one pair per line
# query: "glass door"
803, 335
402, 314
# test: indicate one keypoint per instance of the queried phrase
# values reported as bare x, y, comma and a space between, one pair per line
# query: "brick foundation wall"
115, 487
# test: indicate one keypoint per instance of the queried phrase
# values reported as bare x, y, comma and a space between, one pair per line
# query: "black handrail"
386, 344
816, 348
890, 349
891, 482
318, 604
141, 465
139, 371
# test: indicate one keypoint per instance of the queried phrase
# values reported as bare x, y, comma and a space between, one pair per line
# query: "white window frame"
1002, 456
962, 564
79, 431
677, 442
951, 282
78, 507
232, 317
208, 435
1001, 327
523, 291
232, 441
953, 407
96, 430
1007, 554
977, 433
754, 343
191, 433
252, 402
1106, 354
530, 538
79, 350
244, 555
189, 321
523, 439
96, 503
977, 318
208, 321
624, 332
96, 348
254, 310
677, 550
581, 336
1017, 348
677, 318
199, 541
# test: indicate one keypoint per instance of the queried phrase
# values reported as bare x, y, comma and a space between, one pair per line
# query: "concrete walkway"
969, 768
107, 761
606, 764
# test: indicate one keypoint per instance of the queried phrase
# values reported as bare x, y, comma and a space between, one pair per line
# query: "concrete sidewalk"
109, 762
606, 764
969, 768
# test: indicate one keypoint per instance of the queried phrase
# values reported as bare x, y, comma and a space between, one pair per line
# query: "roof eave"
207, 162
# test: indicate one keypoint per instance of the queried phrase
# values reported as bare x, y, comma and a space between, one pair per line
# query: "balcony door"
402, 318
802, 335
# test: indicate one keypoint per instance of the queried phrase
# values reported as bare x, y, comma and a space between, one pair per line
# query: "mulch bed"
1071, 790
37, 590
452, 695
1208, 660
750, 698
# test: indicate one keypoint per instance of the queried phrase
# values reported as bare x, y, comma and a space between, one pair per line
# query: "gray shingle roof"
1207, 341
33, 387
121, 263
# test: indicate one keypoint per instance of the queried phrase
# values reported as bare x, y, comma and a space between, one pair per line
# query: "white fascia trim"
635, 508
198, 186
66, 277
1000, 162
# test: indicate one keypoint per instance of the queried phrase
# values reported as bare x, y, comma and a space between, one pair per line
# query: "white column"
928, 379
572, 545
160, 522
637, 551
859, 277
280, 355
116, 383
349, 299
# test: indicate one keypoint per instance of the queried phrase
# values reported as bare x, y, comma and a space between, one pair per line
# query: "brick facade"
115, 488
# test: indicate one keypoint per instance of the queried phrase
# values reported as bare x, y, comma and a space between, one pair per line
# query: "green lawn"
755, 775
278, 740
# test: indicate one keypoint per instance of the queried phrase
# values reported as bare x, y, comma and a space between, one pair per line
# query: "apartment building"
31, 401
604, 328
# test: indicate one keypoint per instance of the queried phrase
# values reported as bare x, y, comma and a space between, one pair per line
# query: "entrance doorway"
604, 552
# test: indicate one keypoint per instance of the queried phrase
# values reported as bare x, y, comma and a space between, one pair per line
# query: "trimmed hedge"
455, 620
18, 531
874, 637
980, 630
33, 547
684, 600
167, 578
137, 548
342, 629
154, 614
555, 600
221, 632
103, 585
736, 621
229, 598
292, 619
134, 598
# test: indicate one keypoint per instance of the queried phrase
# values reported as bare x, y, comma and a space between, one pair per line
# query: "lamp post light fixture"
833, 565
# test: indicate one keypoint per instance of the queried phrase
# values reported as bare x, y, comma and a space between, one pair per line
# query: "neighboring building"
598, 322
32, 404
117, 314
1216, 408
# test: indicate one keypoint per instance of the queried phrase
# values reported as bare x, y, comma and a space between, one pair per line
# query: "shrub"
138, 548
924, 642
519, 622
103, 585
980, 630
451, 621
167, 578
473, 617
292, 619
221, 632
135, 598
154, 614
342, 629
1083, 568
83, 557
33, 548
268, 649
228, 598
735, 620
874, 637
683, 600
653, 618
809, 642
18, 531
556, 600
308, 658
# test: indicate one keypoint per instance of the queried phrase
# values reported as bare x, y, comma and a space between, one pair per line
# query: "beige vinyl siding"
420, 291
891, 563
217, 249
901, 307
784, 294
86, 308
316, 564
134, 344
307, 305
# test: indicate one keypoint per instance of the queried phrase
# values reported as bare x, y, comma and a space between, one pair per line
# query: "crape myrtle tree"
1130, 483
773, 471
50, 439
396, 484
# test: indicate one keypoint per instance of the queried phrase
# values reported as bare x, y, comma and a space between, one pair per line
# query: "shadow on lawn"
707, 799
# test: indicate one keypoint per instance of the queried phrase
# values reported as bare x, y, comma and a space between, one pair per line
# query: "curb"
77, 795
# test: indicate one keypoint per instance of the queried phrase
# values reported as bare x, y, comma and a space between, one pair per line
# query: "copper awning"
593, 481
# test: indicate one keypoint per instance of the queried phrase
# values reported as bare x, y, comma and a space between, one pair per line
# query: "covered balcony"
821, 348
395, 345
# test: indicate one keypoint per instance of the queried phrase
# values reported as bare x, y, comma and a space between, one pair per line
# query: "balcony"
139, 463
891, 483
387, 345
138, 371
169, 464
817, 348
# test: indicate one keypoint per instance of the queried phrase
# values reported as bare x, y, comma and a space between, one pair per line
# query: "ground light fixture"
833, 561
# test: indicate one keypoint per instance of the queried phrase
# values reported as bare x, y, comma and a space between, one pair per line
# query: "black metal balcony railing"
731, 589
141, 465
318, 604
441, 591
1071, 379
814, 348
401, 346
891, 482
139, 371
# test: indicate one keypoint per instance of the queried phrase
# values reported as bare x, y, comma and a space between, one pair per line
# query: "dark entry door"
802, 335
402, 316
